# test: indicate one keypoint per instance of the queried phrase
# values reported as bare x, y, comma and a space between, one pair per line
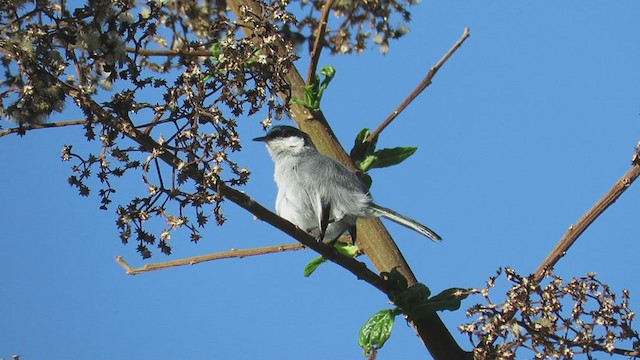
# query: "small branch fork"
233, 253
423, 85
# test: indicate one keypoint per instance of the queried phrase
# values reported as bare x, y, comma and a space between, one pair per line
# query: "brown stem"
233, 253
587, 219
24, 128
169, 52
423, 85
319, 43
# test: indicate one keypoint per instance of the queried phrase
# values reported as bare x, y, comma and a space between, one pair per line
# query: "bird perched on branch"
319, 194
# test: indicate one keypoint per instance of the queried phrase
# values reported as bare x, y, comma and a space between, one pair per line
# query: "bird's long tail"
405, 221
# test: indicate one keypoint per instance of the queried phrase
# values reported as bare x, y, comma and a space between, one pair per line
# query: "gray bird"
319, 194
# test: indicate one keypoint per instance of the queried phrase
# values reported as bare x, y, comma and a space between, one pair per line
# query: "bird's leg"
324, 220
352, 232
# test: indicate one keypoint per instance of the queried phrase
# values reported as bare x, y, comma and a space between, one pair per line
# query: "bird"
319, 194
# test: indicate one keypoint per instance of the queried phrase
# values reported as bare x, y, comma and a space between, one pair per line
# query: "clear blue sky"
530, 123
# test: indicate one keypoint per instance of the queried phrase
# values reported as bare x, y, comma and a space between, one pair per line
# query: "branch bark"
375, 240
574, 232
24, 128
359, 269
233, 253
319, 43
423, 85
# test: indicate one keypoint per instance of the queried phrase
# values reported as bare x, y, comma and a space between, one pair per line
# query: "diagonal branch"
24, 128
319, 43
376, 241
233, 253
241, 199
423, 85
589, 217
574, 232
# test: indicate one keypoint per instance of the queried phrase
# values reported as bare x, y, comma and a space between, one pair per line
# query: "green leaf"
313, 92
450, 299
366, 180
414, 295
377, 330
313, 265
396, 280
216, 50
361, 147
347, 249
367, 163
329, 72
389, 157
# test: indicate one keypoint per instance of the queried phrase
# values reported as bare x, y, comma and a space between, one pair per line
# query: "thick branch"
374, 239
233, 253
587, 219
22, 129
423, 85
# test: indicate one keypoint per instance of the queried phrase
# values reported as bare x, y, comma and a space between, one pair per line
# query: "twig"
423, 85
588, 218
319, 43
145, 52
576, 344
233, 253
23, 128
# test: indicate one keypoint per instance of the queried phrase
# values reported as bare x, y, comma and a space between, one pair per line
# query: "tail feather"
405, 221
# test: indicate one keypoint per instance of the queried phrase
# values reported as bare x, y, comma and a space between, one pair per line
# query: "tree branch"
375, 241
146, 52
24, 128
233, 253
356, 267
574, 232
319, 43
423, 85
589, 217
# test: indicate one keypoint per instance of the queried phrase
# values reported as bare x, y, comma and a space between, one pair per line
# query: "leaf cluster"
414, 301
313, 92
366, 157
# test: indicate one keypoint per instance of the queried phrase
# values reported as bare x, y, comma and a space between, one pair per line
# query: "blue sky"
529, 124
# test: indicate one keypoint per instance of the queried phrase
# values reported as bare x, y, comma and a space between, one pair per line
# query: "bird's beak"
261, 138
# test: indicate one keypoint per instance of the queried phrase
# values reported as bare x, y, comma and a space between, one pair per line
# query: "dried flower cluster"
552, 320
358, 23
104, 57
162, 85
